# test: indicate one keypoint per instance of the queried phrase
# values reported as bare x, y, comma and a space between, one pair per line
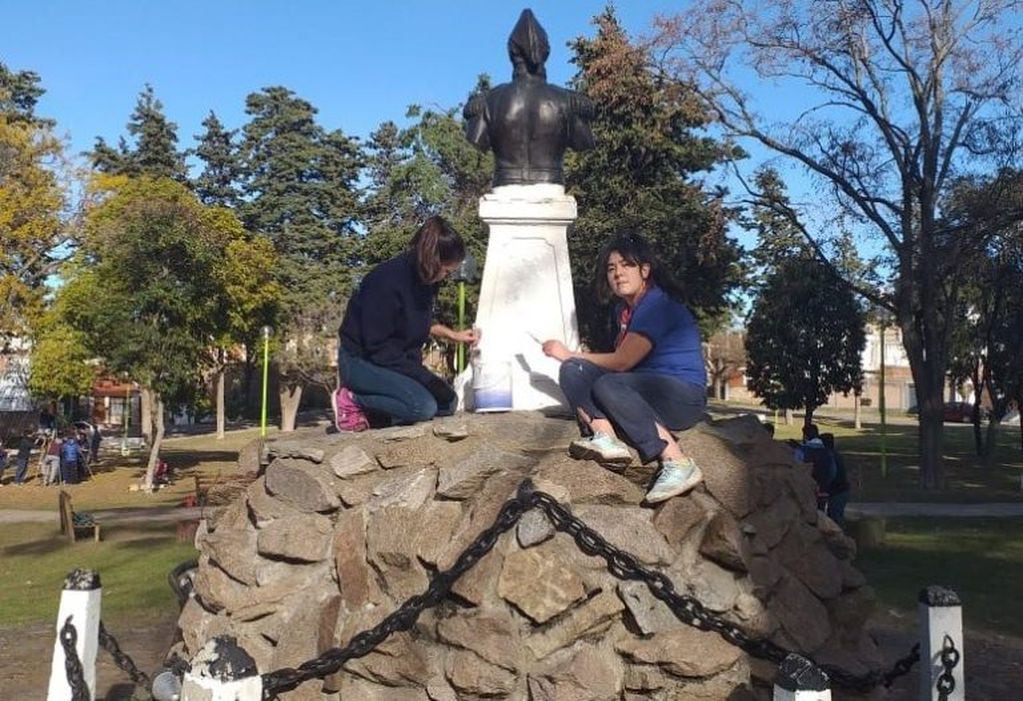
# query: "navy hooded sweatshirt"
388, 319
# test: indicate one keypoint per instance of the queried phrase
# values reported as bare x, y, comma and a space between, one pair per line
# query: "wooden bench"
75, 525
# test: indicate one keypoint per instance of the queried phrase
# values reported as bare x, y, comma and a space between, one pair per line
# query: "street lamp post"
883, 318
266, 376
466, 272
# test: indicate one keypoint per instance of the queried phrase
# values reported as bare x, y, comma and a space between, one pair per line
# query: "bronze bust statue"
527, 122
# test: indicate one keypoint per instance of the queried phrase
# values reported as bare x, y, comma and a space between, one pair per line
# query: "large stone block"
466, 477
588, 618
538, 584
302, 486
630, 529
305, 538
671, 650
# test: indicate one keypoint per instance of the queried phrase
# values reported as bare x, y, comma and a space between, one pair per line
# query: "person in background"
839, 489
3, 460
25, 446
654, 380
51, 463
387, 322
70, 457
813, 451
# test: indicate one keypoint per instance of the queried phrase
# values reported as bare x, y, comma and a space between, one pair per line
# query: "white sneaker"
602, 448
676, 477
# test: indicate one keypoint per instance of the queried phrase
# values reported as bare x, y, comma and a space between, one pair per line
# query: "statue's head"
528, 48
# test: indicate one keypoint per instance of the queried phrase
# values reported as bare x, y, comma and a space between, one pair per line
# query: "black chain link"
620, 564
72, 665
122, 660
946, 683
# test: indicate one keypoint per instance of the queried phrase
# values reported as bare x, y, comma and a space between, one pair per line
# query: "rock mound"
339, 530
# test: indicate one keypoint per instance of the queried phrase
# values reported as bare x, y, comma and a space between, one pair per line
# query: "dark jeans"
633, 402
384, 391
20, 468
836, 507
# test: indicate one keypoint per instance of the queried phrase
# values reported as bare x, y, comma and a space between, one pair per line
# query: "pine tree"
154, 152
299, 186
19, 93
642, 176
217, 184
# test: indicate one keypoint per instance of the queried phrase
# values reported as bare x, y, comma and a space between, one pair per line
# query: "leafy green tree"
643, 176
60, 365
299, 188
805, 337
897, 100
779, 235
19, 93
34, 233
154, 151
145, 292
427, 168
218, 182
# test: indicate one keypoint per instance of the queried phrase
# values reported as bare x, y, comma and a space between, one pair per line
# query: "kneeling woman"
386, 324
652, 383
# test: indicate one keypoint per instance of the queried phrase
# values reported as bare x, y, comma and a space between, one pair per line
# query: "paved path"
992, 509
124, 515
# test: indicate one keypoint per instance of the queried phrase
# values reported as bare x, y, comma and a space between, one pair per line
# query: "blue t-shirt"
672, 330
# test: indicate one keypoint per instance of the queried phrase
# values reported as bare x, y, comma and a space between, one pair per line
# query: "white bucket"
491, 386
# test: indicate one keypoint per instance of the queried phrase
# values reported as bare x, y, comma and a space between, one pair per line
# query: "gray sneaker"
602, 448
676, 477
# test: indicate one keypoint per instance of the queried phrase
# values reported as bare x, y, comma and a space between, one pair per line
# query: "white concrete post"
941, 620
222, 671
526, 294
80, 601
799, 679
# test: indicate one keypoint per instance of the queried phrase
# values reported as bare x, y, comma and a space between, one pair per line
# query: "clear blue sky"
359, 63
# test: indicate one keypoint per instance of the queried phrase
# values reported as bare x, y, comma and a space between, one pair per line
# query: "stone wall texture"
340, 529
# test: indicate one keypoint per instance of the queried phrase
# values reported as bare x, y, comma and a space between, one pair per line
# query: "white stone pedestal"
526, 296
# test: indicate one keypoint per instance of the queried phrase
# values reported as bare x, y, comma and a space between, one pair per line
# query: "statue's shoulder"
577, 103
475, 107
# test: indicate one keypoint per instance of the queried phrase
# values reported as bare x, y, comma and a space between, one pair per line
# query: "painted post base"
940, 614
526, 295
83, 606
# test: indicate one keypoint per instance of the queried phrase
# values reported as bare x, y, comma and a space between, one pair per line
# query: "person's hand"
556, 350
470, 336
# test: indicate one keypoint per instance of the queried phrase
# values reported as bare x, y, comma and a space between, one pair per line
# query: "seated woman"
653, 382
388, 319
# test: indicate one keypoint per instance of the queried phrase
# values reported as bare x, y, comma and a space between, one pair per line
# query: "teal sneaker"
676, 477
602, 448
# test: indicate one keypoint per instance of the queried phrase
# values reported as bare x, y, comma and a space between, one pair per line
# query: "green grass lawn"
967, 479
132, 561
981, 559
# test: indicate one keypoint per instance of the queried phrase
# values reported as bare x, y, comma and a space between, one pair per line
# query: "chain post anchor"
941, 645
799, 679
78, 621
222, 671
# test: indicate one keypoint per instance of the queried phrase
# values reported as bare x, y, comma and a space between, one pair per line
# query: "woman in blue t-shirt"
653, 382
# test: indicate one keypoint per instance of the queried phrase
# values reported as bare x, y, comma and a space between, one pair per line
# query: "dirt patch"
27, 652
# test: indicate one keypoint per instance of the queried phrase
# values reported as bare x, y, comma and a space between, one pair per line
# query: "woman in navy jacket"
387, 322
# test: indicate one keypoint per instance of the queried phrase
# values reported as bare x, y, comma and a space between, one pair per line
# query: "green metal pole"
460, 352
266, 375
881, 407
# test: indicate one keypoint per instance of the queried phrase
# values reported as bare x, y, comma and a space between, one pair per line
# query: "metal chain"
121, 659
405, 616
620, 564
72, 665
946, 683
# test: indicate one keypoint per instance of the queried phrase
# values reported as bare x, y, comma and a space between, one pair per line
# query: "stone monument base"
526, 295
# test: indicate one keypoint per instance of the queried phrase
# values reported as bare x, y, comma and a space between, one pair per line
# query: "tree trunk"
146, 411
248, 374
931, 434
990, 447
220, 400
857, 422
291, 395
808, 416
154, 450
929, 376
788, 417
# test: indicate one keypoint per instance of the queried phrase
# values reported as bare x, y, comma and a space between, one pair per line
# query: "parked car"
955, 412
